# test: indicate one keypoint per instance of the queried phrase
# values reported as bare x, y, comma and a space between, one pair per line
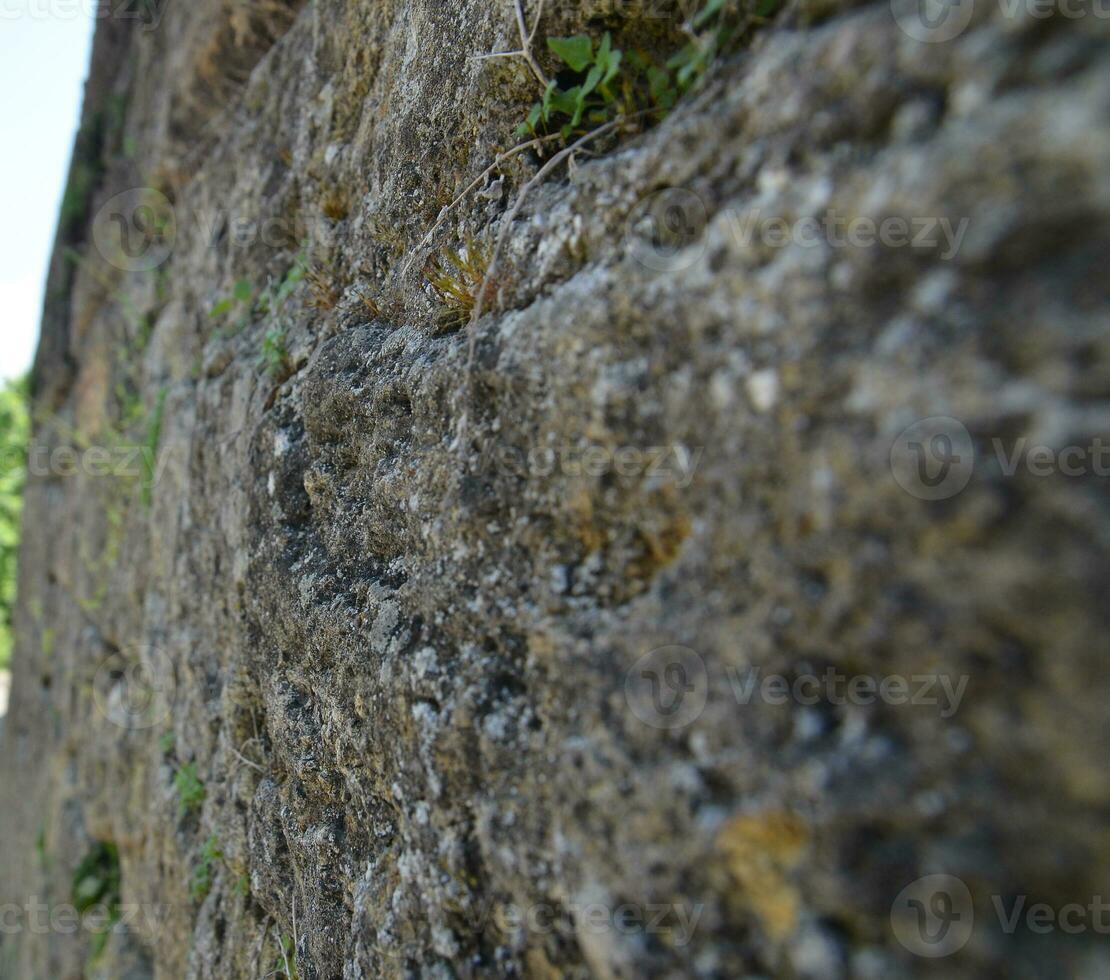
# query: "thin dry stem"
506, 226
526, 38
477, 182
242, 758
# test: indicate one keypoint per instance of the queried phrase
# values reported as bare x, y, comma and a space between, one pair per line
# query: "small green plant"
168, 742
82, 180
713, 31
201, 882
270, 303
604, 83
592, 96
273, 355
273, 298
150, 446
241, 301
455, 279
288, 950
96, 886
15, 432
190, 790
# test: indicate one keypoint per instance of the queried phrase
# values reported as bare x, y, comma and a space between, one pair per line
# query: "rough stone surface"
395, 648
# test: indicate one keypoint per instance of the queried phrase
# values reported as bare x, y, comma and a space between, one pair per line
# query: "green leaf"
528, 127
565, 103
548, 96
604, 51
579, 108
614, 67
682, 57
577, 52
244, 291
221, 308
591, 81
710, 10
662, 91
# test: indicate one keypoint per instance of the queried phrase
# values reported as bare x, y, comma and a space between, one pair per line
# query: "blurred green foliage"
14, 433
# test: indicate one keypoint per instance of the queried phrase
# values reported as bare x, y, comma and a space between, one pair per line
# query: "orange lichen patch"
661, 546
324, 293
580, 511
539, 966
334, 204
760, 850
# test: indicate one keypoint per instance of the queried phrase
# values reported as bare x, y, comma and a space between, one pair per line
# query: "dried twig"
477, 182
244, 759
526, 39
536, 23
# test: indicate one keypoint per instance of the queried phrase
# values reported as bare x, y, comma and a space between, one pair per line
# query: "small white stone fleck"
763, 389
720, 390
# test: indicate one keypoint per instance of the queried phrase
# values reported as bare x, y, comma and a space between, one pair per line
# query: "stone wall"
392, 646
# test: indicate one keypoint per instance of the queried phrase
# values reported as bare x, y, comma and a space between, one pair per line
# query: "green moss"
273, 355
201, 882
96, 885
150, 445
190, 790
598, 82
14, 435
40, 848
